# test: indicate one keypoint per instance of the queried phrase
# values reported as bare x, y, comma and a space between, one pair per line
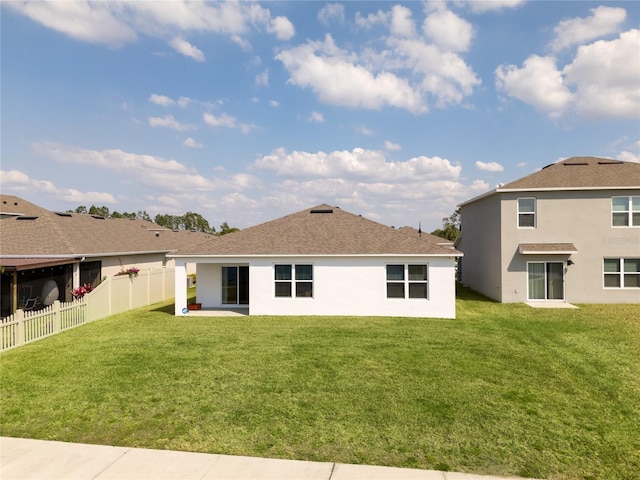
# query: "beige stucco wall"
582, 218
480, 244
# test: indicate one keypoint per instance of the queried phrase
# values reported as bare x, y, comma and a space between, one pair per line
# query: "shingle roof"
40, 232
579, 173
321, 230
575, 173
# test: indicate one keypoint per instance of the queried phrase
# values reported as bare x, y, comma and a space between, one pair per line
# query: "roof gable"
320, 230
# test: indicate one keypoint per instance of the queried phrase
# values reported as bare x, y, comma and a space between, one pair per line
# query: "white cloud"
169, 121
149, 170
117, 23
606, 75
183, 47
316, 117
364, 131
481, 6
331, 11
19, 182
329, 72
161, 100
262, 79
364, 181
449, 31
444, 75
357, 163
603, 21
489, 167
372, 20
601, 82
538, 83
390, 146
190, 142
95, 22
282, 27
274, 103
227, 121
402, 23
627, 156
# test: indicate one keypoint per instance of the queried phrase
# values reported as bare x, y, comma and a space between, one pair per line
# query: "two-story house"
569, 232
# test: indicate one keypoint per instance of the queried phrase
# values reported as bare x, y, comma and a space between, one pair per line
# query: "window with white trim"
621, 273
284, 280
527, 212
625, 211
407, 281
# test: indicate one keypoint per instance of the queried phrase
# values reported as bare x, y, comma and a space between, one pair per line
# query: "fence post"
57, 317
19, 317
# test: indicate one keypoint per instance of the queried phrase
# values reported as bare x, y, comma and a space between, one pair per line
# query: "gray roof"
576, 173
40, 232
320, 230
581, 172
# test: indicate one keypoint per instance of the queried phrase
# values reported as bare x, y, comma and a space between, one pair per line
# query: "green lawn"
503, 389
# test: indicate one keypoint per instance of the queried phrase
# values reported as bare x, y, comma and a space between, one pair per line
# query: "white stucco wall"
341, 286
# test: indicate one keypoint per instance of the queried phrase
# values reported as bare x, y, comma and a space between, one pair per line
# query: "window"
284, 275
527, 212
415, 285
622, 272
625, 211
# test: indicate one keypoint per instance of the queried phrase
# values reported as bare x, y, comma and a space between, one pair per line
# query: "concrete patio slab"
550, 304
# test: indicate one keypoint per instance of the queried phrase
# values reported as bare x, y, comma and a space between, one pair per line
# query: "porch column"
75, 282
180, 287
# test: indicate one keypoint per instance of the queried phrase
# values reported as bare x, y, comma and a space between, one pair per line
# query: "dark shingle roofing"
40, 232
581, 172
321, 230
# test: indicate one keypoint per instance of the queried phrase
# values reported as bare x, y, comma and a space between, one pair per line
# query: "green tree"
80, 209
450, 227
100, 211
225, 228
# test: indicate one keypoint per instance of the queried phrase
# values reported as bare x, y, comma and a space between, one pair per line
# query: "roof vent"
322, 210
567, 164
610, 162
25, 217
62, 214
97, 217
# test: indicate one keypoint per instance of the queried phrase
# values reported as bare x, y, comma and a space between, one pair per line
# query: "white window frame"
620, 274
406, 281
629, 211
534, 213
293, 281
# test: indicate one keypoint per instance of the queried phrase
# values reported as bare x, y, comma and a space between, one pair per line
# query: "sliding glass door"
235, 285
545, 280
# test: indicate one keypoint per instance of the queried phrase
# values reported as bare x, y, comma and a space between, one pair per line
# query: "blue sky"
244, 112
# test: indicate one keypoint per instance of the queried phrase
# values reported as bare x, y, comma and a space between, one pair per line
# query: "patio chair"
30, 304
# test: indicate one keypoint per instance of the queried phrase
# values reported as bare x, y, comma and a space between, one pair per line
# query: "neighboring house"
569, 232
322, 261
38, 247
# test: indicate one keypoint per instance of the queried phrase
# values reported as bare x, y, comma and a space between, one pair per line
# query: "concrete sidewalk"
24, 459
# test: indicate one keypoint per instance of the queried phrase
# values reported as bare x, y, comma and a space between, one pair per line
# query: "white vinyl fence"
114, 295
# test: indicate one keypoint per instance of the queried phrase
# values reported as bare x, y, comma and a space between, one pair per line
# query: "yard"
503, 389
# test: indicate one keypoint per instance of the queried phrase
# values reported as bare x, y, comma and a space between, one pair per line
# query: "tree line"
189, 221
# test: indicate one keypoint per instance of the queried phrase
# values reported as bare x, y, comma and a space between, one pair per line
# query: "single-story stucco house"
322, 261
